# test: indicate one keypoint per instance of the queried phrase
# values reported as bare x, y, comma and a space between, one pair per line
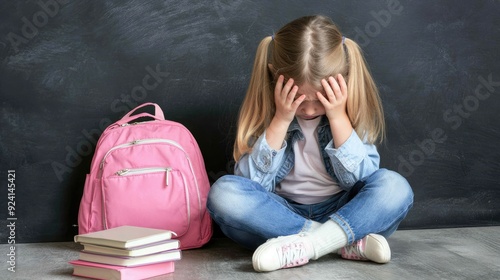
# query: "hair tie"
272, 37
343, 40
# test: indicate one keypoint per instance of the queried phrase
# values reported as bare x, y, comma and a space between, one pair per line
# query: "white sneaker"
282, 252
372, 247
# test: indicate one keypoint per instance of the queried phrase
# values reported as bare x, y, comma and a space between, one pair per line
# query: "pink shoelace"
354, 251
293, 254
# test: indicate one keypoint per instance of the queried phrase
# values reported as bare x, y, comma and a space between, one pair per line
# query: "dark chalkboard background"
70, 69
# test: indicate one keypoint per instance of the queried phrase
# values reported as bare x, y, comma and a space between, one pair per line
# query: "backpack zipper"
139, 142
134, 123
146, 170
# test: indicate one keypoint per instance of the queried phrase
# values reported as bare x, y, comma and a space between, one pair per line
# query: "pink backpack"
148, 174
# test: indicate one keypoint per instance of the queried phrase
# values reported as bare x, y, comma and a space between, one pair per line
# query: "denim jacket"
347, 164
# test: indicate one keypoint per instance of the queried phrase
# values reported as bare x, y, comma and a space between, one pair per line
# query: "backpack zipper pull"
122, 172
167, 175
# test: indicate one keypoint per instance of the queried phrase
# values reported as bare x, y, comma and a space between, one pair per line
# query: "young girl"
307, 180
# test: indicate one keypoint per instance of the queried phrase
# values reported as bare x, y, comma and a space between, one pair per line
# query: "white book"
147, 249
125, 237
167, 256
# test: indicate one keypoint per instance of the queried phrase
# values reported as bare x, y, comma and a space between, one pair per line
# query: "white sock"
327, 238
314, 226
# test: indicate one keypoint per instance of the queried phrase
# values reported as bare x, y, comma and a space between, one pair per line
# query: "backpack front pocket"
154, 197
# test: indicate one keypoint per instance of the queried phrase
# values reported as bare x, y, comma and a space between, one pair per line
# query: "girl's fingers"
279, 86
328, 90
342, 84
298, 101
322, 99
285, 92
291, 95
335, 86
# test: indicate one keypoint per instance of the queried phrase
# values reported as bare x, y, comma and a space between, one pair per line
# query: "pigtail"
364, 106
258, 106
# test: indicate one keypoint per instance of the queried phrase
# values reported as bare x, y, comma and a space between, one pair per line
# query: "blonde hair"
308, 49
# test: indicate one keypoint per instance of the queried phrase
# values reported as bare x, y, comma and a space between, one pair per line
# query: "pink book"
103, 271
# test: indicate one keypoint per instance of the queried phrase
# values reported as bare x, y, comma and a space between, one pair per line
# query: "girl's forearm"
341, 130
276, 132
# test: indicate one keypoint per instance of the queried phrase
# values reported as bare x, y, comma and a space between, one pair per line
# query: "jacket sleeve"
261, 164
353, 161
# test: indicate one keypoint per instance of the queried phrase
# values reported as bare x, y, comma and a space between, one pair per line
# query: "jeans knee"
395, 187
228, 196
220, 192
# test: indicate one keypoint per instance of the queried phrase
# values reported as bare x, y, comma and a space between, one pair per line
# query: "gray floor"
462, 253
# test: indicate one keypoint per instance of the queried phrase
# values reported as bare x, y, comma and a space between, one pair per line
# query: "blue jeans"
250, 215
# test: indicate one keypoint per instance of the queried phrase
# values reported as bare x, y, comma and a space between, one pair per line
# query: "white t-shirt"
308, 182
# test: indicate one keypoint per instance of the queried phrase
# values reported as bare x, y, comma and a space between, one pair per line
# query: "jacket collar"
294, 125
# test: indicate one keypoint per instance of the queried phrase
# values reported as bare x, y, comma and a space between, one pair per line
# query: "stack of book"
126, 252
